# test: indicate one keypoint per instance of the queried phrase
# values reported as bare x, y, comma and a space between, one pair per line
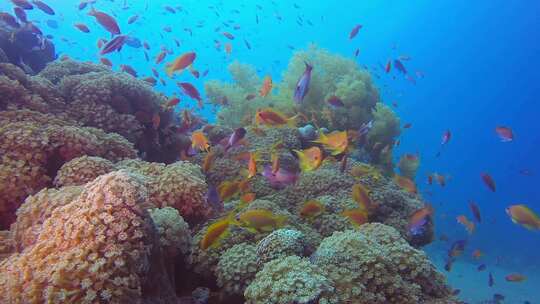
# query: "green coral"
408, 165
332, 75
375, 265
288, 280
385, 129
280, 243
174, 233
237, 268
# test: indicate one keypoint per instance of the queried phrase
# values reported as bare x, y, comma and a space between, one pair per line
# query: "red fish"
190, 90
335, 101
388, 66
146, 45
128, 69
19, 12
105, 61
407, 125
228, 35
488, 181
43, 7
82, 27
356, 52
160, 57
108, 22
446, 137
354, 31
23, 4
475, 211
505, 133
114, 45
9, 20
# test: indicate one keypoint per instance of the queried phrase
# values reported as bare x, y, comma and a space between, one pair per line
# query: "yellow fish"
310, 159
337, 142
199, 141
214, 233
260, 220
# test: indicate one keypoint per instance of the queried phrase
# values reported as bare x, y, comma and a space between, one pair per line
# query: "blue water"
480, 60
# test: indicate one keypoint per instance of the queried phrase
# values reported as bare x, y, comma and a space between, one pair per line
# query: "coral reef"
33, 146
366, 267
288, 280
101, 247
237, 268
174, 233
280, 243
82, 170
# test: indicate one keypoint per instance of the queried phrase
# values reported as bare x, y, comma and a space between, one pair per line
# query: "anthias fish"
302, 85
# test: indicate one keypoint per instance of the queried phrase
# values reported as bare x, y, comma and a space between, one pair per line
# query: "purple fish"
399, 66
235, 137
21, 14
213, 199
114, 45
302, 86
279, 179
44, 7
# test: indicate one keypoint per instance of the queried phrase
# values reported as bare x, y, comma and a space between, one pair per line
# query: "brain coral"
288, 280
33, 146
236, 268
366, 268
101, 247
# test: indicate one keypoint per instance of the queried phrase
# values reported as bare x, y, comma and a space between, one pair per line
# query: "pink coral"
101, 247
34, 145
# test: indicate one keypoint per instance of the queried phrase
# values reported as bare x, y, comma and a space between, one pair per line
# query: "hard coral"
174, 233
366, 268
279, 244
236, 268
33, 146
288, 280
101, 247
82, 170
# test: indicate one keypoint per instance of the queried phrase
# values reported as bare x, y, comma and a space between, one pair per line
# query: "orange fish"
337, 141
463, 220
310, 159
108, 22
180, 63
214, 233
260, 220
361, 195
522, 215
418, 217
151, 80
228, 35
515, 277
311, 209
228, 189
252, 164
208, 161
273, 118
274, 159
199, 141
357, 217
173, 102
405, 183
161, 56
266, 87
106, 62
156, 120
82, 27
248, 198
228, 48
477, 254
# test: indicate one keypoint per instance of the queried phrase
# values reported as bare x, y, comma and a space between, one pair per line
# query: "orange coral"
98, 248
